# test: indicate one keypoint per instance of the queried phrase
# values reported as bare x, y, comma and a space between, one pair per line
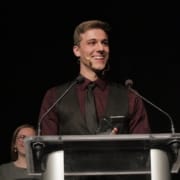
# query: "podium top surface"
119, 137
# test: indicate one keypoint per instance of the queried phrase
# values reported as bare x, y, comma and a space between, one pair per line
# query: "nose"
100, 46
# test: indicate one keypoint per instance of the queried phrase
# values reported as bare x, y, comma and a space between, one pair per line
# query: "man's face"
93, 50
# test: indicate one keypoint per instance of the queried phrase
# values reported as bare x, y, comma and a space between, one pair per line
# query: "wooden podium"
92, 155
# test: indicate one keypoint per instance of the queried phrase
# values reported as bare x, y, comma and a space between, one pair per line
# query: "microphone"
79, 79
129, 84
38, 146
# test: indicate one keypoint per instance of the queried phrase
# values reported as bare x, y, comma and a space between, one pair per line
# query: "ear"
76, 51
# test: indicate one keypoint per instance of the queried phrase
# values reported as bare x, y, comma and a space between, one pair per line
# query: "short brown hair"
86, 25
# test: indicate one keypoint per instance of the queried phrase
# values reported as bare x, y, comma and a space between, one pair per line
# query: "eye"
20, 137
92, 42
105, 42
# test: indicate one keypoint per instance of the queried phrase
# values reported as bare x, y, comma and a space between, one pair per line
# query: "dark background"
37, 54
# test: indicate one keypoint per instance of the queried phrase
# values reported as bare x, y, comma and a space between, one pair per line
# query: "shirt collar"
101, 83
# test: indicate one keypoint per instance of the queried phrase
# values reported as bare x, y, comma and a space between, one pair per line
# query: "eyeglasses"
21, 138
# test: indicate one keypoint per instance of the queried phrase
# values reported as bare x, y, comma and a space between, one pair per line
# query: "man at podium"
113, 102
68, 109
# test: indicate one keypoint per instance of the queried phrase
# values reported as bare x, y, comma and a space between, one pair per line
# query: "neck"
21, 162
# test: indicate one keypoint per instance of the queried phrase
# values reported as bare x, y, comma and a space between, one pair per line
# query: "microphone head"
79, 79
129, 83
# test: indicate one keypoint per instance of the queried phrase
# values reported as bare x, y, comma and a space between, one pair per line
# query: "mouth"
99, 57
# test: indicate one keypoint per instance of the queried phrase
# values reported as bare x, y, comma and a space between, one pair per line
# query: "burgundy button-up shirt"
138, 116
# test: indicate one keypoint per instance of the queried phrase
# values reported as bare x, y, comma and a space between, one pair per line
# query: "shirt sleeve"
139, 122
49, 122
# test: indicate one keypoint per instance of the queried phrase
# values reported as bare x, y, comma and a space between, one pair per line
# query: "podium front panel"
105, 157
